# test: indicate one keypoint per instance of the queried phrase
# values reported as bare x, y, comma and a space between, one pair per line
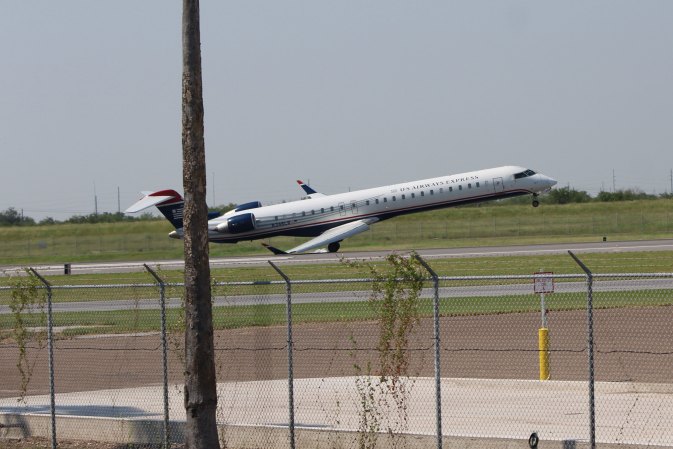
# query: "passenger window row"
403, 197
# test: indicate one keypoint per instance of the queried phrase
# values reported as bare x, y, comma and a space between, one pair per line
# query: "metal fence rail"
306, 363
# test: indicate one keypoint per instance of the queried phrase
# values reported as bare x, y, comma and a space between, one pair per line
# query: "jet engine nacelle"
241, 207
237, 224
247, 206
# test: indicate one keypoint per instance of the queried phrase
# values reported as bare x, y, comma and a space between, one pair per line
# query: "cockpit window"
524, 174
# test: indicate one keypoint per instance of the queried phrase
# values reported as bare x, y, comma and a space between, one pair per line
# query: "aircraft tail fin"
169, 203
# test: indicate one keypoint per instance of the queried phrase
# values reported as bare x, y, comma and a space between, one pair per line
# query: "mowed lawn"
233, 317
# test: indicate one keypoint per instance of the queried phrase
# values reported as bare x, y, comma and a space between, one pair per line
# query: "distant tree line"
562, 195
13, 217
567, 195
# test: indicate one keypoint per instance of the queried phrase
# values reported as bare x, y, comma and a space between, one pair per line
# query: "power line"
214, 189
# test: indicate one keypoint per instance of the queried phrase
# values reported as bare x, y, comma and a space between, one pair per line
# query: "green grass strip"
236, 317
625, 262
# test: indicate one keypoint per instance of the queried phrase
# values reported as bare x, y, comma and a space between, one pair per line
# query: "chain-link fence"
405, 362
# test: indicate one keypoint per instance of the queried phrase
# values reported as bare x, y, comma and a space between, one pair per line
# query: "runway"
327, 258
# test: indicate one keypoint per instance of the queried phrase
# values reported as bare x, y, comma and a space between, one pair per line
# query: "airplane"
330, 219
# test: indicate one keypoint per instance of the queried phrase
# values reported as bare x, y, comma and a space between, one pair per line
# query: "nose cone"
546, 181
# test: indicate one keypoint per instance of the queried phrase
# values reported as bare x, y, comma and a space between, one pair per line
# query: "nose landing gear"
536, 203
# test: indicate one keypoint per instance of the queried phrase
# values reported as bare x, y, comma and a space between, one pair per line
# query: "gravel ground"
43, 443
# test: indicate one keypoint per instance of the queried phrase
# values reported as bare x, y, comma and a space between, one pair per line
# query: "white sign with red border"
543, 282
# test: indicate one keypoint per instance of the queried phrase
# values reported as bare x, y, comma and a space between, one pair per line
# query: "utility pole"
200, 398
614, 189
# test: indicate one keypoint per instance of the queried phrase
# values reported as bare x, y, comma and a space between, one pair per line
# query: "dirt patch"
631, 345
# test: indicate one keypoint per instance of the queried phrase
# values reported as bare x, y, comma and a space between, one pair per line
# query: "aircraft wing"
331, 235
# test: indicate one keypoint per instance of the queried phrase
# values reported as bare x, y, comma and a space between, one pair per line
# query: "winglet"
273, 249
311, 193
306, 188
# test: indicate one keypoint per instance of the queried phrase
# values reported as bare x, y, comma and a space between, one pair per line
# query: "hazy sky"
344, 94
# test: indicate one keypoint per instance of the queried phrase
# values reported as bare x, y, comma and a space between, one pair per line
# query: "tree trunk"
200, 382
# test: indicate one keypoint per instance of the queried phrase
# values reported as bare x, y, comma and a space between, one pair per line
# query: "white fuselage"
313, 216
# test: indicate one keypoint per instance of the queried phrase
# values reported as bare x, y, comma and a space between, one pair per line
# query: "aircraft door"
498, 185
354, 208
342, 209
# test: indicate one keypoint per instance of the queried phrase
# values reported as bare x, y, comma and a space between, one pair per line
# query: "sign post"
543, 282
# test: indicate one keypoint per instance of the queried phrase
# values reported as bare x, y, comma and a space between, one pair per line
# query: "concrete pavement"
510, 410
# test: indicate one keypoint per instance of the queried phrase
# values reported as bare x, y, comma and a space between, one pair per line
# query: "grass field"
233, 317
487, 224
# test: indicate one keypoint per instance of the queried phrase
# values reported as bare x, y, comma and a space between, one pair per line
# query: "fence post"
438, 383
164, 348
50, 352
290, 372
590, 347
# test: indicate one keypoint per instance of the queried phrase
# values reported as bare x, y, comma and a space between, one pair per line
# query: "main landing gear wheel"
333, 247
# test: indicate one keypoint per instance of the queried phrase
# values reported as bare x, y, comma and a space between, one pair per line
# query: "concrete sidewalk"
626, 413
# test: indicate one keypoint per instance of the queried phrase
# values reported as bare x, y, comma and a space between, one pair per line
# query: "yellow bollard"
543, 347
